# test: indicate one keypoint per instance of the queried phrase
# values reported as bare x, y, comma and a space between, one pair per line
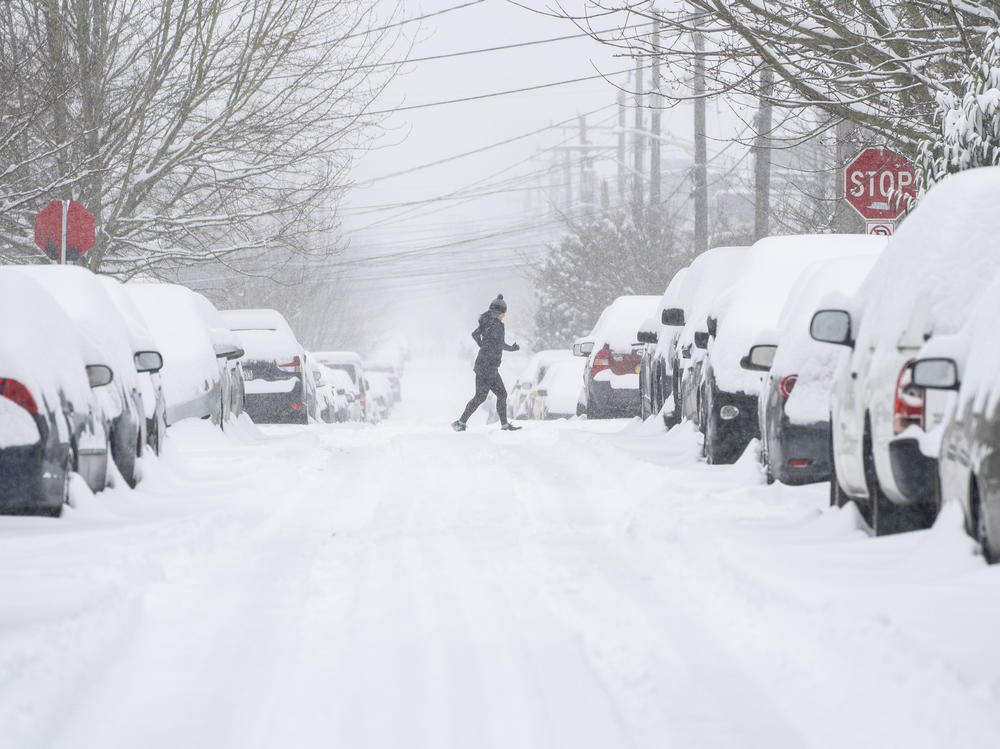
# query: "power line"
484, 148
492, 94
414, 19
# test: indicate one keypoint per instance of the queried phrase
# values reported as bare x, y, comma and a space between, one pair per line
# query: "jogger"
489, 336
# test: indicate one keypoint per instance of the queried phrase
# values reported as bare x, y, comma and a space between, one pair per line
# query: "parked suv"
923, 286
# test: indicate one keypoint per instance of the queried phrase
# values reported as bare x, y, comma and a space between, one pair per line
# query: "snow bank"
772, 270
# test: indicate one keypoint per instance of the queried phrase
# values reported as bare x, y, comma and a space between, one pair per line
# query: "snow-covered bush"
970, 122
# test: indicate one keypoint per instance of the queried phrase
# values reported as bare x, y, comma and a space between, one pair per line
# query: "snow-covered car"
751, 308
275, 370
391, 373
923, 286
228, 352
611, 379
191, 376
50, 421
349, 362
559, 388
657, 337
794, 398
148, 360
523, 394
967, 469
348, 389
380, 394
711, 275
326, 400
105, 340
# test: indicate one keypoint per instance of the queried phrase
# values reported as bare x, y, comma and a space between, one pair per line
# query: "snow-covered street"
577, 584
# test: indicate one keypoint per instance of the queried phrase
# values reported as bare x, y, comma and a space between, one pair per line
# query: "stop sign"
880, 184
79, 230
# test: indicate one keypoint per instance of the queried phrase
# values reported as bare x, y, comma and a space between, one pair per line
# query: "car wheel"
991, 552
837, 496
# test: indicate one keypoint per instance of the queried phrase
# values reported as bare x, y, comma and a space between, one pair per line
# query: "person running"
489, 336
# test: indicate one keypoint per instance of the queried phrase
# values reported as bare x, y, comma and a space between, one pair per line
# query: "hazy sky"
446, 286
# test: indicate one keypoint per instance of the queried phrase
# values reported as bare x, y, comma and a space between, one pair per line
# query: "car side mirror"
935, 374
99, 375
701, 339
583, 349
712, 324
148, 361
832, 326
647, 336
227, 351
760, 358
673, 316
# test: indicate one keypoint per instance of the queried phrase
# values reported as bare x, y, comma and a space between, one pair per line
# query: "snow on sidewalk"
577, 584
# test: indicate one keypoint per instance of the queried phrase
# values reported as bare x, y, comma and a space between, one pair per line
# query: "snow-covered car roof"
45, 356
540, 360
772, 269
339, 357
620, 321
264, 334
813, 362
937, 264
562, 383
105, 337
189, 361
710, 274
139, 333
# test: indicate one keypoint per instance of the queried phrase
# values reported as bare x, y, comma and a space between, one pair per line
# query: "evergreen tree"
597, 260
970, 123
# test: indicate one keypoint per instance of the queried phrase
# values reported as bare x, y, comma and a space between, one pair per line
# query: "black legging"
485, 382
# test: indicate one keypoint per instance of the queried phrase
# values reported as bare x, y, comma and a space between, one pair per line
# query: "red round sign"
80, 230
880, 184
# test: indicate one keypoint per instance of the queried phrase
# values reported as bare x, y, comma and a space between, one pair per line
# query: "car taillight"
297, 406
786, 384
15, 391
909, 403
602, 360
295, 365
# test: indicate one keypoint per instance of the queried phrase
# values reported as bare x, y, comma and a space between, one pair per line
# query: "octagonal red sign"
80, 229
880, 184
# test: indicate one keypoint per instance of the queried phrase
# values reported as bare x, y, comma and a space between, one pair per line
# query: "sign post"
64, 230
880, 185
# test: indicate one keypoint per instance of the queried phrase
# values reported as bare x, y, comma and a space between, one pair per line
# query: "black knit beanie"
498, 305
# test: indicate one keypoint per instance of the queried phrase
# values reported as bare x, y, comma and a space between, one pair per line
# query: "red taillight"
295, 365
602, 360
297, 406
908, 408
798, 463
787, 384
15, 391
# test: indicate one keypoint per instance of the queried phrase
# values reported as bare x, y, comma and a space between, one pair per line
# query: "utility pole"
700, 172
762, 157
586, 193
654, 142
568, 176
638, 147
622, 174
845, 220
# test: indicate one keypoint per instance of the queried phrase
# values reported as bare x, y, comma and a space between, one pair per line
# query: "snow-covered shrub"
970, 123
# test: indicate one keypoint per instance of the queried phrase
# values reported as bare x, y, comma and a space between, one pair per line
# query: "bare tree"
194, 130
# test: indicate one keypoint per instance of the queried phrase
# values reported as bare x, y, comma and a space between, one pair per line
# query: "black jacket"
489, 336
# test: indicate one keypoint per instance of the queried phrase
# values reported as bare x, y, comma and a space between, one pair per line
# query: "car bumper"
915, 474
800, 453
32, 478
276, 408
606, 401
735, 433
